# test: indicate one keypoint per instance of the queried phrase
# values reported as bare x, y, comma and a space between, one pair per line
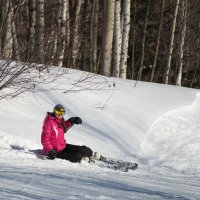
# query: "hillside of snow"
155, 125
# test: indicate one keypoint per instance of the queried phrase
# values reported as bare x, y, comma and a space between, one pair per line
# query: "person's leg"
84, 150
71, 156
75, 153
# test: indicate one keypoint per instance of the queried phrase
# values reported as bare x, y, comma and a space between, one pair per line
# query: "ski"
36, 152
119, 163
102, 164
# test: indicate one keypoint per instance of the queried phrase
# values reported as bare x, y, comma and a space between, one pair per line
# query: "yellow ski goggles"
59, 112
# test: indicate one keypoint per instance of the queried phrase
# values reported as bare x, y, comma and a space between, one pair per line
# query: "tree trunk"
60, 45
117, 39
67, 37
31, 34
108, 20
171, 47
88, 36
8, 41
39, 30
74, 53
94, 35
182, 40
158, 42
125, 38
143, 41
133, 40
15, 47
2, 16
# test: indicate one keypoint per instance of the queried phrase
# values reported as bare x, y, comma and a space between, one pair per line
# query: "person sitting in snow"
53, 140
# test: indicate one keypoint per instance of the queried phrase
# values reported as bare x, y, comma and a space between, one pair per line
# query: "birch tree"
117, 39
183, 8
15, 47
67, 30
1, 28
74, 47
144, 41
157, 42
125, 38
94, 35
107, 40
133, 39
8, 41
39, 33
103, 48
61, 32
171, 46
88, 36
31, 32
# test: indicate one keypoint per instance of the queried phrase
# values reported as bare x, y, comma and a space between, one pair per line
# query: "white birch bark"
74, 53
8, 41
133, 39
54, 48
144, 41
117, 39
157, 42
15, 47
1, 29
67, 30
108, 18
182, 41
171, 46
39, 36
125, 27
125, 38
61, 33
94, 34
32, 22
88, 36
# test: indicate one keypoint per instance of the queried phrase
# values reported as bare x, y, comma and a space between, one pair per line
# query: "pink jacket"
53, 134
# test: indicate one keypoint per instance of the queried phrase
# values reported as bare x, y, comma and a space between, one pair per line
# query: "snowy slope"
155, 125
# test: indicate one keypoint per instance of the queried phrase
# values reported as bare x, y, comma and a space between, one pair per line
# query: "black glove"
75, 120
52, 154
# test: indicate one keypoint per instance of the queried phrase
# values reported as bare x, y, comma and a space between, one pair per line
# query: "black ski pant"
74, 153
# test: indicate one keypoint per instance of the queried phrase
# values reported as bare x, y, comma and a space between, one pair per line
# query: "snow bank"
117, 120
154, 124
174, 139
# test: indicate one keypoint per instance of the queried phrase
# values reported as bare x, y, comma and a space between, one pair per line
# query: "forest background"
147, 40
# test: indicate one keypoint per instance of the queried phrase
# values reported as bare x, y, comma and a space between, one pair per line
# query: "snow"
155, 125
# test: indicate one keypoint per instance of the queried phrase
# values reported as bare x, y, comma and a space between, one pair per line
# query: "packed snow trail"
62, 180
